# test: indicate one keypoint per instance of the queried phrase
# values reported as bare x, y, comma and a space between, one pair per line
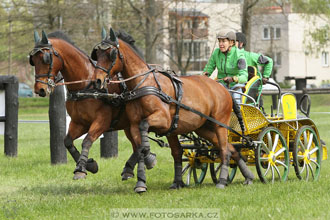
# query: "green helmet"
226, 34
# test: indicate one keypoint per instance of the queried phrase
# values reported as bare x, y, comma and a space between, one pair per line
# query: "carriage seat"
289, 106
253, 87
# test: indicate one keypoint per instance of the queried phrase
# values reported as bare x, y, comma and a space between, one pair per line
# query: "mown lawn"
32, 188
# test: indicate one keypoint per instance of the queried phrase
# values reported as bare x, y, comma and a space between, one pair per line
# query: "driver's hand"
264, 80
228, 79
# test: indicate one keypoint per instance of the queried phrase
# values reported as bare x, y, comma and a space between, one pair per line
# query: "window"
325, 59
277, 57
271, 32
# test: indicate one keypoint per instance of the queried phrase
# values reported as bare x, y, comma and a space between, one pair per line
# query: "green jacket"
256, 59
231, 64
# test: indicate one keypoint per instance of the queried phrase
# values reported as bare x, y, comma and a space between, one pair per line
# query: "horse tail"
238, 114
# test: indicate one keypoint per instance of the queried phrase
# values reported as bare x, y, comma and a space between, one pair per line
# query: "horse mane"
124, 36
61, 35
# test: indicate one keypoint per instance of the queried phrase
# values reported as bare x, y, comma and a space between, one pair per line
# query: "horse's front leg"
176, 151
142, 145
74, 132
96, 129
149, 159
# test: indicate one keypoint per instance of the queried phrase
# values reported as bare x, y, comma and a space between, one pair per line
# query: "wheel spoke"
301, 156
280, 151
267, 169
310, 141
264, 147
302, 170
302, 146
312, 170
307, 172
313, 150
194, 170
316, 164
275, 142
278, 172
283, 164
264, 158
270, 142
305, 137
188, 176
273, 174
184, 170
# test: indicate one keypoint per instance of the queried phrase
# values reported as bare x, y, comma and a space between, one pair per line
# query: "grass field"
32, 188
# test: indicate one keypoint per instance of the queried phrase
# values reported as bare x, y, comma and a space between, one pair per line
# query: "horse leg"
224, 156
141, 177
248, 175
149, 159
95, 130
176, 151
128, 171
74, 132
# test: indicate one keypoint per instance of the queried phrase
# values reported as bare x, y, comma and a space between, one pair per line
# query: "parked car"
269, 86
24, 90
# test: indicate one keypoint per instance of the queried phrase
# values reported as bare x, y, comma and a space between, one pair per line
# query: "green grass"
32, 188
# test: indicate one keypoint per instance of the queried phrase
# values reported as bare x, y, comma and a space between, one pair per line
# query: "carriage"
279, 139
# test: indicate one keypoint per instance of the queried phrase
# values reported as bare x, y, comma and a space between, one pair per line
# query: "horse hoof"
140, 189
79, 175
248, 182
177, 185
220, 186
150, 161
92, 166
126, 176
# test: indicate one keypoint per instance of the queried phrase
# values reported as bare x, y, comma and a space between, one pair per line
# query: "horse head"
47, 64
108, 57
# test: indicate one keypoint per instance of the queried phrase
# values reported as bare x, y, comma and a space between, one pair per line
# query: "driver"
230, 63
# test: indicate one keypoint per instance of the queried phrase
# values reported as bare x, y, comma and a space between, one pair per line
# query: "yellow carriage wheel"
307, 154
272, 156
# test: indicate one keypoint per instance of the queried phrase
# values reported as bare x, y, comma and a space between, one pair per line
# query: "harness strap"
150, 90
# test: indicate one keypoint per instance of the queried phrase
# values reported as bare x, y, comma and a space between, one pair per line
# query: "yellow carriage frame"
279, 140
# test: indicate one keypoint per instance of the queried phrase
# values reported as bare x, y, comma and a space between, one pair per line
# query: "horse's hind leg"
176, 151
74, 132
224, 156
241, 165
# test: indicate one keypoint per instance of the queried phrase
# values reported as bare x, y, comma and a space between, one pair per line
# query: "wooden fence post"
109, 144
57, 126
11, 114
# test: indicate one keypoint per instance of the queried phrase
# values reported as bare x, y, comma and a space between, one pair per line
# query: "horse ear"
36, 37
113, 36
44, 39
103, 33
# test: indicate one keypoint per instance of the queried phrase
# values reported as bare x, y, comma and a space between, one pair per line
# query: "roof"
189, 13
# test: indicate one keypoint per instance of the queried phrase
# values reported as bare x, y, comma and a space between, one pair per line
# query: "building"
283, 35
192, 28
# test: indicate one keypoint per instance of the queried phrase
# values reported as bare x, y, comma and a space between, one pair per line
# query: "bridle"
105, 45
47, 59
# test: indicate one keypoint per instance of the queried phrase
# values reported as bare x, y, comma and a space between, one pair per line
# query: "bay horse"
150, 109
56, 53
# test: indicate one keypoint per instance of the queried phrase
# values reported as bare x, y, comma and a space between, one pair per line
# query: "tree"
317, 12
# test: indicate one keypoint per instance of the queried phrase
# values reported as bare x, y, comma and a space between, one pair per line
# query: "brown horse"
88, 115
151, 113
